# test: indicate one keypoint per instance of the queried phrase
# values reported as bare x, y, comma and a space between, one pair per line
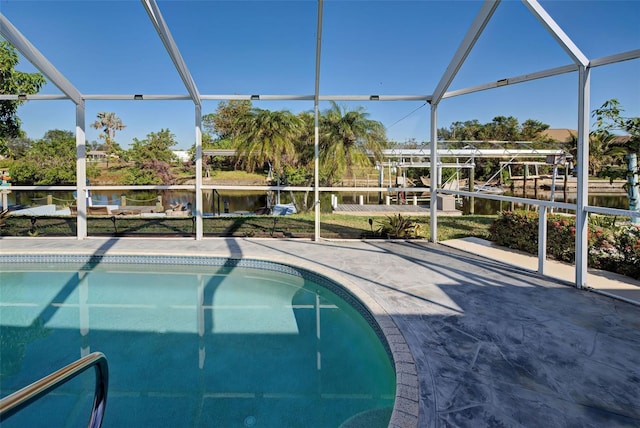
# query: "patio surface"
493, 344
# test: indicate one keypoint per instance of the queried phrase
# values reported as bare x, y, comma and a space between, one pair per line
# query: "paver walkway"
493, 345
600, 281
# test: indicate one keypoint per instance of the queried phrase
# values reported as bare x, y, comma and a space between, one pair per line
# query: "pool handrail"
20, 399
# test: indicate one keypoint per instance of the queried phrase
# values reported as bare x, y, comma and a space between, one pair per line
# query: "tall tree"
348, 139
504, 128
109, 123
16, 147
152, 158
13, 82
266, 136
531, 130
49, 161
609, 120
223, 124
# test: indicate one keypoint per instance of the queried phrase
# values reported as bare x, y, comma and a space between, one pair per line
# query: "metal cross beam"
170, 45
33, 55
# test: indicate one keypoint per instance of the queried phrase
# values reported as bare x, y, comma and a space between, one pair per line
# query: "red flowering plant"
611, 247
628, 244
561, 237
517, 230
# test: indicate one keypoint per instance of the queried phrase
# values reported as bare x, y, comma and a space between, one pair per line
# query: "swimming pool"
193, 341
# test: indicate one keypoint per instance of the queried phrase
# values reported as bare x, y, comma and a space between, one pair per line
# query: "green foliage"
297, 176
501, 128
224, 123
396, 226
517, 230
618, 151
15, 147
140, 176
628, 240
612, 247
152, 158
268, 137
347, 139
157, 146
93, 171
49, 161
109, 123
13, 82
286, 141
609, 119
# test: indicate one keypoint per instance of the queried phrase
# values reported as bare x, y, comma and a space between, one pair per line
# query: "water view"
216, 202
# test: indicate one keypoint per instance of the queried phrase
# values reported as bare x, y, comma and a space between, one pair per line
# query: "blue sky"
368, 47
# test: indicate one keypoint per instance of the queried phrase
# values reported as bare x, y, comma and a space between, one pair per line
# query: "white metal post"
316, 143
199, 202
433, 182
81, 173
542, 239
584, 96
316, 178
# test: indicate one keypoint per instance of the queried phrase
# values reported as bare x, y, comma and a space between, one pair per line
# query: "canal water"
252, 201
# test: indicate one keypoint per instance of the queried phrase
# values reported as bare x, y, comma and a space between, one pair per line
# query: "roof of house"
561, 135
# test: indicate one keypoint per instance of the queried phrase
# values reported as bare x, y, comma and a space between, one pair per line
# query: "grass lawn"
332, 226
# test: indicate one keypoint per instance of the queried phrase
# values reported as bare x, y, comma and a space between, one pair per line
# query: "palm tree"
602, 151
266, 136
348, 139
109, 123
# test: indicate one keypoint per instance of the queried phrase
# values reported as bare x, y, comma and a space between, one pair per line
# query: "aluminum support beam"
81, 172
433, 182
199, 196
302, 97
22, 97
478, 25
170, 45
136, 97
482, 153
316, 130
612, 59
584, 99
554, 29
513, 80
542, 239
33, 55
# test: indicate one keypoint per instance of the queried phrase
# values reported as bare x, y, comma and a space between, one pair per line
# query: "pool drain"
249, 421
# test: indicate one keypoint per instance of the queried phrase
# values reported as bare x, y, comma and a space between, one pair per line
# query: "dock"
386, 210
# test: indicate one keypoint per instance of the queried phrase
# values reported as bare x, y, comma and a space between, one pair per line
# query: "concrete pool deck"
493, 344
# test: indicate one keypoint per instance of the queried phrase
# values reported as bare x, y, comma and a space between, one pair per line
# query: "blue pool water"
192, 345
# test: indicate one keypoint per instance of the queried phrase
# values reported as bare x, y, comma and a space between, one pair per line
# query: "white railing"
542, 206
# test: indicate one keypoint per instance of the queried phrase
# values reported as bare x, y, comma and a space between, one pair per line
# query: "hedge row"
615, 248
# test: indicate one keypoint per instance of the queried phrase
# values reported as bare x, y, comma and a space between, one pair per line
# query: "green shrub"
611, 247
396, 226
517, 230
628, 240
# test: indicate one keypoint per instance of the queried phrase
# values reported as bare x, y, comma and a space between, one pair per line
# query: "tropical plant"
268, 137
13, 82
109, 123
396, 226
601, 153
348, 139
609, 120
